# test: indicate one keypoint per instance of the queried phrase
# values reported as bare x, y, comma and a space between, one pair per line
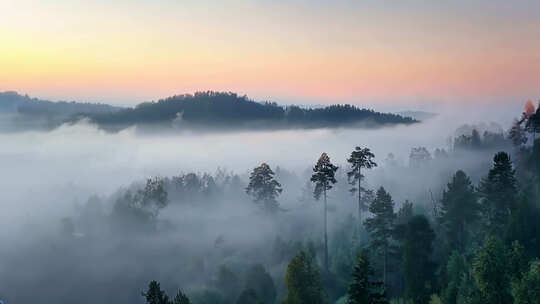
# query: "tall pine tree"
324, 177
360, 158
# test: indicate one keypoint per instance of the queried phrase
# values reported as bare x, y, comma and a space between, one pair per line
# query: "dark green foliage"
228, 110
360, 158
468, 292
490, 271
455, 270
248, 296
260, 281
181, 298
498, 191
524, 223
362, 289
381, 225
264, 188
417, 266
324, 177
155, 295
527, 289
459, 210
303, 281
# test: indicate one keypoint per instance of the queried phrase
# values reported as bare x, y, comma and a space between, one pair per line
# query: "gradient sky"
365, 52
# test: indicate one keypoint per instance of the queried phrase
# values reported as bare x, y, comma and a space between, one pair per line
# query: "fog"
48, 177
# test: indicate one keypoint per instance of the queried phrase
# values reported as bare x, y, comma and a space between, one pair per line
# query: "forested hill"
202, 110
21, 112
229, 110
12, 102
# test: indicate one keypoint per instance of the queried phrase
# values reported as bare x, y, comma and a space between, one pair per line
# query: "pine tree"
360, 158
264, 188
363, 290
381, 225
459, 210
155, 295
417, 267
324, 177
303, 281
498, 191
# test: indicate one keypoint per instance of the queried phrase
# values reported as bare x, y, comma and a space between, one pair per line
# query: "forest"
229, 110
200, 111
362, 229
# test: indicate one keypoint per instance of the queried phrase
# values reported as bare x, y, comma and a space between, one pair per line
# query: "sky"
383, 53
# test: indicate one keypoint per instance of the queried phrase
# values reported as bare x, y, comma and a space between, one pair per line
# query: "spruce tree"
381, 225
362, 289
360, 158
324, 177
303, 281
459, 210
155, 295
498, 191
417, 266
264, 188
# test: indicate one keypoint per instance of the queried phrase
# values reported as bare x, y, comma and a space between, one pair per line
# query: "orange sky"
304, 51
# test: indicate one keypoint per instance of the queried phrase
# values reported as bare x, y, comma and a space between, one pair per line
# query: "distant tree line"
210, 109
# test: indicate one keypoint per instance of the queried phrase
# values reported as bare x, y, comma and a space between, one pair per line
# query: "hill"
21, 112
229, 110
202, 110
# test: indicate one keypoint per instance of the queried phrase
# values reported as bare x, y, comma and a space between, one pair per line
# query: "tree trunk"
325, 233
359, 201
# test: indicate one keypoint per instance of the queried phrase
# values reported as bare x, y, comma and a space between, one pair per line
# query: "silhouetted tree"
362, 289
459, 210
498, 191
264, 188
155, 295
381, 225
417, 265
324, 177
360, 158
